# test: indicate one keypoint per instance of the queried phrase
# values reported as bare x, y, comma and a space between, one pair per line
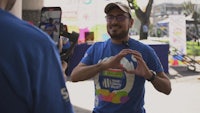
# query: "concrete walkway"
184, 98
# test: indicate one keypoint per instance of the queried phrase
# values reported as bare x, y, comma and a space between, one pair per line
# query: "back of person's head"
50, 20
7, 4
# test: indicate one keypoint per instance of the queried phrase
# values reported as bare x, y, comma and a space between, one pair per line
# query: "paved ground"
184, 98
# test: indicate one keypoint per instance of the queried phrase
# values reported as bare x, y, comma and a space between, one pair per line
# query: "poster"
177, 32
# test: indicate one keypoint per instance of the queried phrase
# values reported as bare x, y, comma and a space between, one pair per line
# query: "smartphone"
74, 40
50, 22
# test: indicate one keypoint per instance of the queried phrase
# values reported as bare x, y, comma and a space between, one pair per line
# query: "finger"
64, 65
136, 53
125, 52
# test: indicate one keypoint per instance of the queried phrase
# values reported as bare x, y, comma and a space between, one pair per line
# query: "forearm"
82, 72
162, 84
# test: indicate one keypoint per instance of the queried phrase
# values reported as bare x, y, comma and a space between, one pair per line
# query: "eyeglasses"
119, 18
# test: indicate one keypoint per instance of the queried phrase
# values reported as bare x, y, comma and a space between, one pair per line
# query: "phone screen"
50, 22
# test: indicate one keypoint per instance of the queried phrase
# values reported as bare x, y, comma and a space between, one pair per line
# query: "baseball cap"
120, 5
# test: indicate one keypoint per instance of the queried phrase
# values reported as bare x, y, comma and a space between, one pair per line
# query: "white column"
17, 9
33, 4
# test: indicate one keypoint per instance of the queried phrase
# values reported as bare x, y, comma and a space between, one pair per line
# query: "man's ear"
131, 23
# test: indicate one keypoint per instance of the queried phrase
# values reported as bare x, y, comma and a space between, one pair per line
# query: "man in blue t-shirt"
50, 28
120, 66
31, 77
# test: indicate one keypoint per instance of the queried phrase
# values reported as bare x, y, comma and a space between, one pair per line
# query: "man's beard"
119, 36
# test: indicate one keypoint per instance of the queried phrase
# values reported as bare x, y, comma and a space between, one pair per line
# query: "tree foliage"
191, 9
188, 8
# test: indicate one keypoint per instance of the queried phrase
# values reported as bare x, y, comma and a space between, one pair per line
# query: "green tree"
143, 16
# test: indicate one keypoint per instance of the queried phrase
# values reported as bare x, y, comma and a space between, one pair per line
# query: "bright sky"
143, 2
169, 1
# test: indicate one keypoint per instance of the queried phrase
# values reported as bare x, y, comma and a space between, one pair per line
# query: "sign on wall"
177, 32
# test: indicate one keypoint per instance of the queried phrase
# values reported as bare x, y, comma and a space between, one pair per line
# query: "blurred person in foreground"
120, 66
31, 78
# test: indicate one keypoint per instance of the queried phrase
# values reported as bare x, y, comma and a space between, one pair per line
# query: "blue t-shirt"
66, 46
115, 90
31, 79
50, 28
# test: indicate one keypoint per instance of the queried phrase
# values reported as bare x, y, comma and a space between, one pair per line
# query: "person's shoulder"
105, 42
20, 28
99, 44
140, 44
33, 35
136, 42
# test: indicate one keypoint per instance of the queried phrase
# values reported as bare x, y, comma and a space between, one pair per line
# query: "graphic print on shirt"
114, 85
65, 94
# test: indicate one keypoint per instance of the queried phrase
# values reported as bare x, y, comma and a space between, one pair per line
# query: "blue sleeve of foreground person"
31, 79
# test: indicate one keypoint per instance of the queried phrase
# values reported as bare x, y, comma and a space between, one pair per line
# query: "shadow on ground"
81, 110
182, 71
